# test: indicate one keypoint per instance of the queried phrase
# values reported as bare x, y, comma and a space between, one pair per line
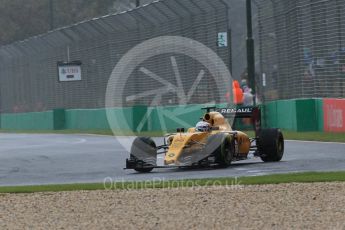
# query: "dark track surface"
56, 159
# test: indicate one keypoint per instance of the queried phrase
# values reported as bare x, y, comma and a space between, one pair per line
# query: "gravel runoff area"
284, 206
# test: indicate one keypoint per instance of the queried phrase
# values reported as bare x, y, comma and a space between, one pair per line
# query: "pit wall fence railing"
301, 115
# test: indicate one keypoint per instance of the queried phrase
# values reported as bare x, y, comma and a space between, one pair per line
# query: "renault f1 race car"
212, 142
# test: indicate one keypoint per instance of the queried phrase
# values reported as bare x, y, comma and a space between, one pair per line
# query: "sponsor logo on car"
235, 110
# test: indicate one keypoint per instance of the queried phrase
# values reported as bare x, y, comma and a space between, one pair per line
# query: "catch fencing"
302, 48
29, 77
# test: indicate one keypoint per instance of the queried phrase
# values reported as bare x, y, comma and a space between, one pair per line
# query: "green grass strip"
310, 136
314, 136
307, 177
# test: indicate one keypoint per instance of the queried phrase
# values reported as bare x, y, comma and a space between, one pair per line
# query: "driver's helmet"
202, 126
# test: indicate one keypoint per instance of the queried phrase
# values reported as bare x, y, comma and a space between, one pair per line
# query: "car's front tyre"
222, 147
144, 153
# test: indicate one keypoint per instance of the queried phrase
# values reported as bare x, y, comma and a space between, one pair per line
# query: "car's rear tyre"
222, 147
143, 146
271, 145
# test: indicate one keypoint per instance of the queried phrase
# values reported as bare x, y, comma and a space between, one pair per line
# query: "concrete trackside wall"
86, 119
96, 119
281, 114
306, 115
28, 121
160, 118
320, 114
297, 115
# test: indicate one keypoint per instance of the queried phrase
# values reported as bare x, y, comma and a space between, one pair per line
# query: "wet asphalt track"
56, 159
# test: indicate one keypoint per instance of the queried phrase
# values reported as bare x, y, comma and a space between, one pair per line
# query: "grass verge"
307, 177
314, 136
309, 136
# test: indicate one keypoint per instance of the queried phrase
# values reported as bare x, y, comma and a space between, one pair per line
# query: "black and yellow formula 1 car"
211, 143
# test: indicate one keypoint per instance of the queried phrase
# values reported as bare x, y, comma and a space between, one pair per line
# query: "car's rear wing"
252, 112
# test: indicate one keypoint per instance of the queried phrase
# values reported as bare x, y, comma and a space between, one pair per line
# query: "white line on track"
241, 169
80, 141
